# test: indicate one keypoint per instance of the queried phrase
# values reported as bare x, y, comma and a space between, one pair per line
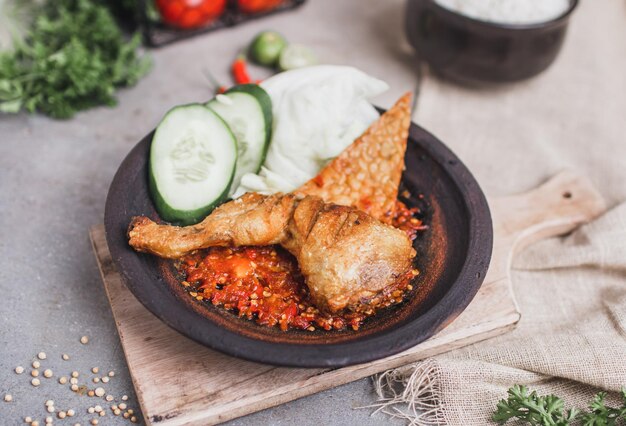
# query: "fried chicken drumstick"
346, 256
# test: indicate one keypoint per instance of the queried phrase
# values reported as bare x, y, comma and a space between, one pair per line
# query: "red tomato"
190, 13
256, 6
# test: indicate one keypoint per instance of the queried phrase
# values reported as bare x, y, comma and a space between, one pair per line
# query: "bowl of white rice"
488, 41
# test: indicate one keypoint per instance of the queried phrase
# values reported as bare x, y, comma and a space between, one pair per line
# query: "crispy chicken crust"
366, 175
346, 256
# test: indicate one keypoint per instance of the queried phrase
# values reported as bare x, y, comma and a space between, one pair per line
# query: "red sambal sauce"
264, 284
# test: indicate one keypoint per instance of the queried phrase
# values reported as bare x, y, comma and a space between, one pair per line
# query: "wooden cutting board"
179, 382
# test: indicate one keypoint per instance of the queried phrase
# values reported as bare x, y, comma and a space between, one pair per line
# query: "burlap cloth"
571, 340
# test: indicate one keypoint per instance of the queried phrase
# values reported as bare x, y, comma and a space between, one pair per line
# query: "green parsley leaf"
549, 410
74, 57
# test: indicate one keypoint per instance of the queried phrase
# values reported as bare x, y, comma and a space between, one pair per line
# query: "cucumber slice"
247, 109
192, 163
296, 56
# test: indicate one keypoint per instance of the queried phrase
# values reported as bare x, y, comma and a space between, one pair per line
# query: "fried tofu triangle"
346, 257
366, 175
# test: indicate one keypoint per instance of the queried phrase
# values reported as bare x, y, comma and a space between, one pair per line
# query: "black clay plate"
452, 256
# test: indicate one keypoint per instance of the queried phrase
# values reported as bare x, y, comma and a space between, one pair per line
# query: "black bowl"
452, 255
468, 50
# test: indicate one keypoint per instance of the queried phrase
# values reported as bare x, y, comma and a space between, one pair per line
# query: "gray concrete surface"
54, 177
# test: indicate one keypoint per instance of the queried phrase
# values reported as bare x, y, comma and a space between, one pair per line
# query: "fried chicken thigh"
346, 256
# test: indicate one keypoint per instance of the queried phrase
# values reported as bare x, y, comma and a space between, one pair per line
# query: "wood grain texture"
180, 382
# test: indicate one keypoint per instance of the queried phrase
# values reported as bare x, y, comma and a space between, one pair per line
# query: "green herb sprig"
73, 57
549, 410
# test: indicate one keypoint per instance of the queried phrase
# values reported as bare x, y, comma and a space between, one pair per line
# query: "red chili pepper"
240, 71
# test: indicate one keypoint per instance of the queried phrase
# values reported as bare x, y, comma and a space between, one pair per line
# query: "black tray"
156, 33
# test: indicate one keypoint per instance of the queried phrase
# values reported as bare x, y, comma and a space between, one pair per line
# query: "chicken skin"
346, 256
